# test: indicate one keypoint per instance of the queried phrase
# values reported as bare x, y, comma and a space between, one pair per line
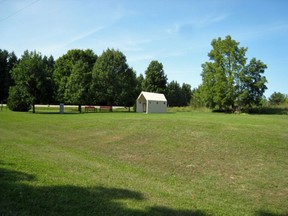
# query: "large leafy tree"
31, 77
228, 81
114, 83
78, 85
128, 91
155, 79
251, 84
7, 62
72, 75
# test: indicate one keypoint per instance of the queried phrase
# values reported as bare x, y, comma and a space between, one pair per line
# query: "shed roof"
151, 96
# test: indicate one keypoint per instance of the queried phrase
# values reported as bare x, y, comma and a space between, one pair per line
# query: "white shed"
149, 102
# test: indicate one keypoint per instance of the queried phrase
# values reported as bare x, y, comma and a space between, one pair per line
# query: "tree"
155, 80
50, 85
30, 77
7, 62
228, 81
140, 83
178, 95
128, 93
19, 98
277, 98
187, 94
68, 64
197, 100
252, 84
78, 85
114, 83
174, 94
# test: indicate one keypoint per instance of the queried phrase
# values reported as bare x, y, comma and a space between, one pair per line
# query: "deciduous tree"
30, 76
78, 84
73, 60
228, 81
114, 83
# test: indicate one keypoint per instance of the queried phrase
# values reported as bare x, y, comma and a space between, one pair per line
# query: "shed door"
144, 107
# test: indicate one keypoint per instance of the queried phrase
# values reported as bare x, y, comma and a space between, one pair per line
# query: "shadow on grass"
264, 213
20, 198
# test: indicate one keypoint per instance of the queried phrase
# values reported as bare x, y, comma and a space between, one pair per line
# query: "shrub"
19, 100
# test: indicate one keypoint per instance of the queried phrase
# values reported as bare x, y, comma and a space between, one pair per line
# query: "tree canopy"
7, 62
32, 80
72, 76
228, 81
114, 82
156, 79
178, 95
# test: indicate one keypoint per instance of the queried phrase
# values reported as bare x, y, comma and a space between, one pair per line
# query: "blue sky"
177, 33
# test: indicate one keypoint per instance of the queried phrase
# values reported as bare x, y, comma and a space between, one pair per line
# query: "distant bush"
277, 109
188, 109
277, 98
18, 100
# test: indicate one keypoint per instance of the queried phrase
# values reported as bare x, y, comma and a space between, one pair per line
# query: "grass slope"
137, 164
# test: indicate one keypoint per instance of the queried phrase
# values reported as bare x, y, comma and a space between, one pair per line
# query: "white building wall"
139, 106
156, 107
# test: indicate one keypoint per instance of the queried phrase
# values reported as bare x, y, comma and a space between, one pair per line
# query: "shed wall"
156, 107
148, 102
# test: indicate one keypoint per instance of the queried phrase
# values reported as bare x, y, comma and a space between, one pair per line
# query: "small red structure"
106, 107
87, 108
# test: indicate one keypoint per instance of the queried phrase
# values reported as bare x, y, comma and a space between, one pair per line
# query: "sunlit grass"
159, 164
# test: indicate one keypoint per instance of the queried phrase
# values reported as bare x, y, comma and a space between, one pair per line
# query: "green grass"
124, 163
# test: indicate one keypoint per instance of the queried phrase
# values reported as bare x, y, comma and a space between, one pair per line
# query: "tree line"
81, 77
229, 80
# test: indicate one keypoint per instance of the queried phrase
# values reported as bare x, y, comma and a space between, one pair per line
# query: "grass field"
124, 163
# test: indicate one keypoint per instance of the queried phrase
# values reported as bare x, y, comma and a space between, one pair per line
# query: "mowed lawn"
124, 163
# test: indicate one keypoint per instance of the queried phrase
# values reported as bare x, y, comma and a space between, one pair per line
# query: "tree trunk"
79, 108
33, 107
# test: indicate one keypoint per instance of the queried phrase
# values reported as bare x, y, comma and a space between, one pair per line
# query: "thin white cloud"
82, 36
194, 24
209, 20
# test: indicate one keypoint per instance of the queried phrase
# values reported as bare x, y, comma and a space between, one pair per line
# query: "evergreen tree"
155, 80
174, 94
7, 62
186, 94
